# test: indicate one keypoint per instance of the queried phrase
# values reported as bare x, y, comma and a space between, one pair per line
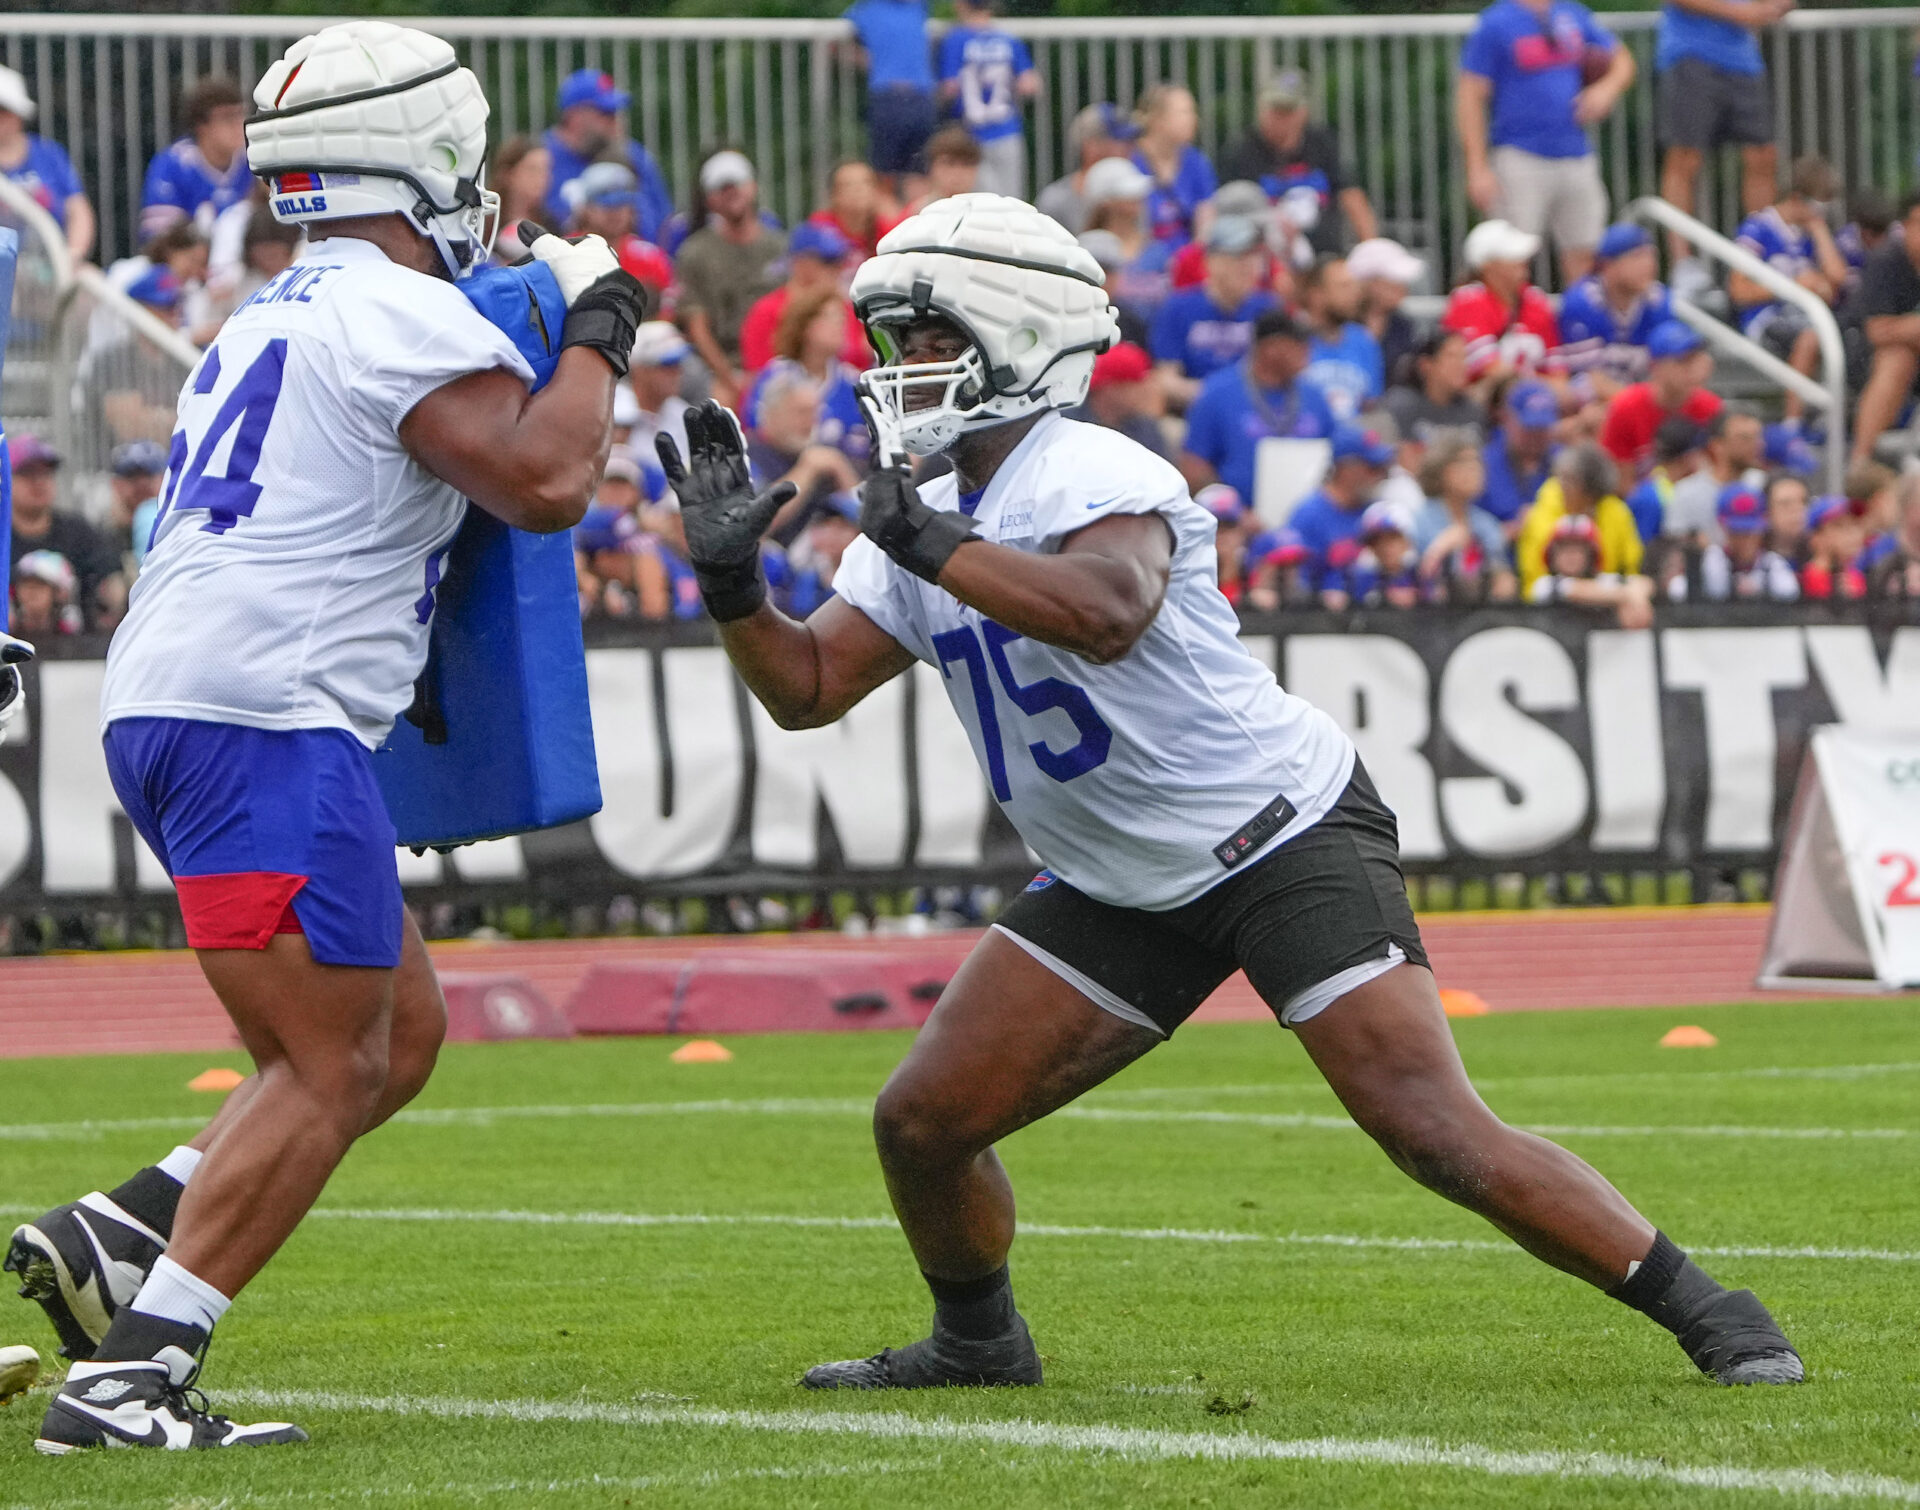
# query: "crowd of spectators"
1523, 447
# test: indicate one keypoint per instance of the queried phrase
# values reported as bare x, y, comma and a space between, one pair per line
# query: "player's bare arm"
530, 459
1096, 598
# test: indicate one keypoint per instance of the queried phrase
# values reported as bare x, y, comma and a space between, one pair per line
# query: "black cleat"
1736, 1341
936, 1362
81, 1262
151, 1404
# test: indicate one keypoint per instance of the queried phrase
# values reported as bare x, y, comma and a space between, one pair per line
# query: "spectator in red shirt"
816, 254
857, 208
604, 201
1509, 325
1836, 534
1678, 370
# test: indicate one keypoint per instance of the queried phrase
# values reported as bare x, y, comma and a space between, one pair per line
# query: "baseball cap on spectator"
1577, 527
1105, 248
621, 466
1621, 239
13, 95
1787, 449
589, 86
1500, 241
658, 344
1242, 197
1125, 363
1278, 322
1534, 406
138, 458
811, 238
1286, 90
626, 408
844, 504
1101, 120
602, 183
49, 567
1282, 547
27, 451
1223, 502
157, 288
1114, 178
725, 169
1381, 257
1381, 519
1832, 506
1354, 442
1671, 339
1234, 234
1741, 510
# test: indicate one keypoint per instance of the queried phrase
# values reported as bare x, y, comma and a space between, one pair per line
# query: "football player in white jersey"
327, 443
1193, 817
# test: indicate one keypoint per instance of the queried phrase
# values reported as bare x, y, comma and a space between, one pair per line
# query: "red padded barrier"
484, 1008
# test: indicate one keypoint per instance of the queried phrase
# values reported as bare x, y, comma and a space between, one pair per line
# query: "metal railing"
788, 92
87, 367
1829, 395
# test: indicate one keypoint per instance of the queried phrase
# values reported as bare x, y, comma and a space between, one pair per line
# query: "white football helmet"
1031, 299
369, 118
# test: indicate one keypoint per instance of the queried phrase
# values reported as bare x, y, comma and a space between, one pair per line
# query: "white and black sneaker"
146, 1404
82, 1262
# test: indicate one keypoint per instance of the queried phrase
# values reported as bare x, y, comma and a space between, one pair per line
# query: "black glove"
919, 538
723, 517
606, 316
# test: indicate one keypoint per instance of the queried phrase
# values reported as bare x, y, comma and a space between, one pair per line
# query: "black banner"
1520, 739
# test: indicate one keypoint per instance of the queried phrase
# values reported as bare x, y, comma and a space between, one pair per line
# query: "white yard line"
485, 1116
1042, 1229
1204, 1235
1132, 1443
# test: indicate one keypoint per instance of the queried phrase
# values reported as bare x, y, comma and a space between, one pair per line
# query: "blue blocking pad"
499, 740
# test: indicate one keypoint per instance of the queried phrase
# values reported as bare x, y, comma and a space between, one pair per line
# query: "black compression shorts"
1330, 901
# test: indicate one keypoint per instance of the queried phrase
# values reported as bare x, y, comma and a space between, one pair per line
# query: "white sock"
179, 1165
175, 1295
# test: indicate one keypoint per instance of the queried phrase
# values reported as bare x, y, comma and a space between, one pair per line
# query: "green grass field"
578, 1274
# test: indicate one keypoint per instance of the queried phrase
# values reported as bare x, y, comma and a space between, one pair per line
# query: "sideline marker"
219, 1078
1688, 1036
701, 1051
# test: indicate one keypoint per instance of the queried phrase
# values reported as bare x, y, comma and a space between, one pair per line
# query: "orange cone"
1457, 1003
219, 1078
1688, 1037
701, 1051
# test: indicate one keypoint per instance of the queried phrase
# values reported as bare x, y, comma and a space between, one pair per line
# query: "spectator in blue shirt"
986, 77
1346, 365
900, 108
1200, 330
1522, 109
1328, 519
1262, 395
206, 170
1183, 178
1712, 89
588, 130
42, 167
1607, 317
1520, 454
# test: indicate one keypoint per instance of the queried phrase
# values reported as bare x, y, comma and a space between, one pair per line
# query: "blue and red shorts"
265, 831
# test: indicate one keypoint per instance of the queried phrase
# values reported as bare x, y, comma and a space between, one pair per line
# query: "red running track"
1630, 957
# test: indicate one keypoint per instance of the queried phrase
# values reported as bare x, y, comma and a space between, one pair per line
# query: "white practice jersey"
1145, 782
298, 546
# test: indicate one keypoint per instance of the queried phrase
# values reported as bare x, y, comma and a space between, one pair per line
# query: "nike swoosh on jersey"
1102, 503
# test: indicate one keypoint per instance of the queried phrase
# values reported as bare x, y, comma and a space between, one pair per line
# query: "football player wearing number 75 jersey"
1193, 817
327, 443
